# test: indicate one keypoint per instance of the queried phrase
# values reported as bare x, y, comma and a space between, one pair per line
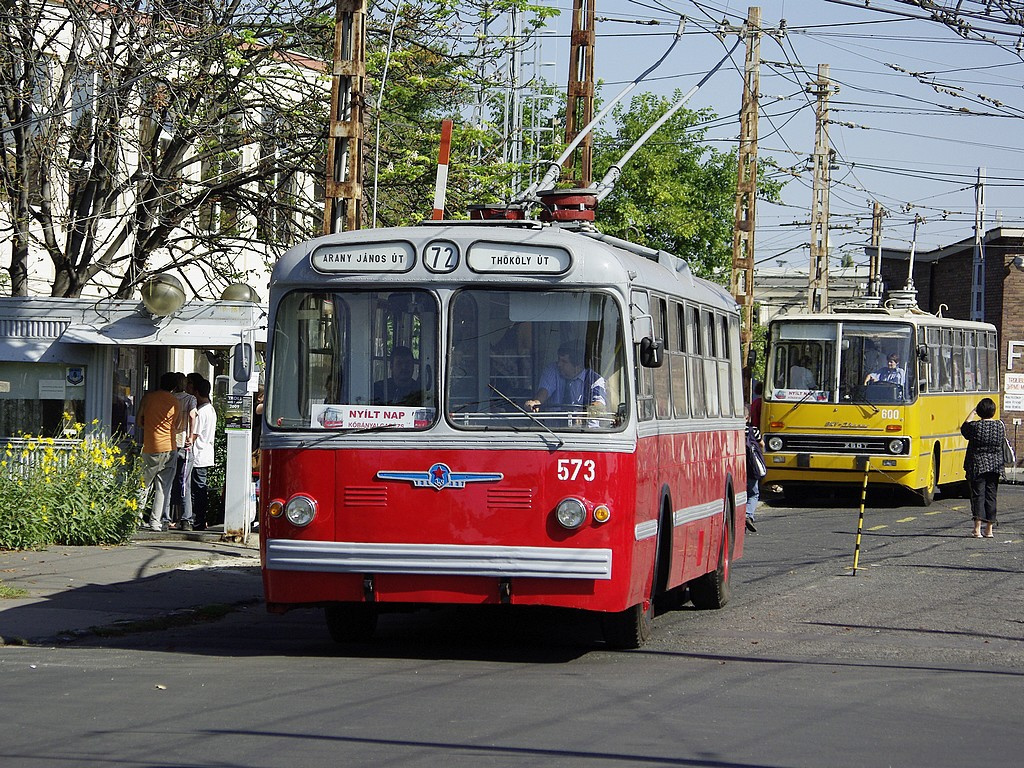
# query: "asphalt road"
917, 660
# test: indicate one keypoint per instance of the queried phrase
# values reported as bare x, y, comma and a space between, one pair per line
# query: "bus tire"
351, 622
713, 590
631, 628
925, 496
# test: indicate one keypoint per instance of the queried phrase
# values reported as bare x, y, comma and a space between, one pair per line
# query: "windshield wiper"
527, 413
351, 431
799, 402
862, 400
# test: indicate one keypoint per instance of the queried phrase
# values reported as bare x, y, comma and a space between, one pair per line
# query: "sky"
919, 109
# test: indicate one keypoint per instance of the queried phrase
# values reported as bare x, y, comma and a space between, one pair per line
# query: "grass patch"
11, 593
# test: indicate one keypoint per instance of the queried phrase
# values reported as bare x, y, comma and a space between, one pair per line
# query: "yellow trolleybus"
877, 388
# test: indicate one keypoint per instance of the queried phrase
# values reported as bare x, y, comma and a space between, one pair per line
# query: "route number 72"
570, 469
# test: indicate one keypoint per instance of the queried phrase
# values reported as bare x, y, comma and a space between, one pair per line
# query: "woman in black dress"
983, 463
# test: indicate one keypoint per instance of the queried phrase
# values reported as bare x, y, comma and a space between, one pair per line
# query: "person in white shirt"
800, 376
202, 455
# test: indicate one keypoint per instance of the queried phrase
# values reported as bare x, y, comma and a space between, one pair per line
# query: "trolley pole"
860, 517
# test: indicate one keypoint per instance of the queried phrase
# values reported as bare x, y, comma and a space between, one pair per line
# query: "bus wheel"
925, 496
351, 622
712, 590
630, 628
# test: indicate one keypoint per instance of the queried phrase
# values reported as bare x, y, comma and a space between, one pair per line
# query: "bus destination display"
364, 257
518, 259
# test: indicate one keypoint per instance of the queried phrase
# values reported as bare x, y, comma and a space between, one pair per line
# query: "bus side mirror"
241, 362
751, 357
651, 353
922, 353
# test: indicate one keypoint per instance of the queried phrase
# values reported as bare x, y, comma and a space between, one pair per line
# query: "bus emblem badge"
441, 476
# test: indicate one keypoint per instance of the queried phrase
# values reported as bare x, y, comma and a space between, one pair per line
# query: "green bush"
85, 494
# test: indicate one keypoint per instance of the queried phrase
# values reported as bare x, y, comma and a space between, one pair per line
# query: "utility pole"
578, 168
343, 189
875, 261
817, 277
978, 276
746, 187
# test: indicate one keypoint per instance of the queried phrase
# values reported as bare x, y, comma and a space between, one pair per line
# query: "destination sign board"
363, 257
519, 259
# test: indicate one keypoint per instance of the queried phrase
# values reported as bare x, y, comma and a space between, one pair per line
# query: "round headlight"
571, 513
300, 510
895, 446
775, 443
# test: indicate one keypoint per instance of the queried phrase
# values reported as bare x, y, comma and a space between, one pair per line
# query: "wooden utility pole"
578, 168
343, 189
746, 185
817, 277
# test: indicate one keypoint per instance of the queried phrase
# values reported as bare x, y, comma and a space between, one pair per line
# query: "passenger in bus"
400, 388
568, 382
800, 376
891, 374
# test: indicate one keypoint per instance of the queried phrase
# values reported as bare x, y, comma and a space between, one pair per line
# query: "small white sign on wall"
51, 389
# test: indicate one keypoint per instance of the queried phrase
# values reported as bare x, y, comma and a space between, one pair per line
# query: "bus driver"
891, 374
568, 382
400, 388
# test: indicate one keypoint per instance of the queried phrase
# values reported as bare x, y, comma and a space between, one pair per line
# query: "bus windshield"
359, 360
536, 360
837, 362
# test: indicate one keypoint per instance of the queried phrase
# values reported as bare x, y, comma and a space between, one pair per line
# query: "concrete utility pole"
578, 168
746, 185
343, 189
978, 277
875, 262
817, 278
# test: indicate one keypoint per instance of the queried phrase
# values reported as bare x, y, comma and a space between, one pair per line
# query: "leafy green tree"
446, 62
676, 193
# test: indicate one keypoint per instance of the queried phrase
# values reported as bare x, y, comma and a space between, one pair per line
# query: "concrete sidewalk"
72, 591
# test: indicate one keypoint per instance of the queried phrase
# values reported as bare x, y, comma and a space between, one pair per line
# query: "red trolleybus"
498, 412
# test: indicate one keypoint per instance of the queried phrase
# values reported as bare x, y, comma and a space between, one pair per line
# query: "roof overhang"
201, 326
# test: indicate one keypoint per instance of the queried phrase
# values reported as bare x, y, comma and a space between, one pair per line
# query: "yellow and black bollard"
860, 519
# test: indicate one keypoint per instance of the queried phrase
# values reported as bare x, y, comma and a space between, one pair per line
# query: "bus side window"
946, 361
695, 363
662, 402
677, 361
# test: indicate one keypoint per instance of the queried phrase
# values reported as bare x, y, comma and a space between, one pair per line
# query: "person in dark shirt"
983, 463
400, 388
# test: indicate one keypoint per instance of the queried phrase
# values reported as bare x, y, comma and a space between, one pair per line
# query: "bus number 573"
569, 469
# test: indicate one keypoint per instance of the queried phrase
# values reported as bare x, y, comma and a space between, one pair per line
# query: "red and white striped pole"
442, 170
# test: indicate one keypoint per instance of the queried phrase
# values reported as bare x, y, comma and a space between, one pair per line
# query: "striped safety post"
442, 170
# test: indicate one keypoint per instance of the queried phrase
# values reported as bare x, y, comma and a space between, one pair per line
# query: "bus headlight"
300, 510
774, 443
571, 513
895, 446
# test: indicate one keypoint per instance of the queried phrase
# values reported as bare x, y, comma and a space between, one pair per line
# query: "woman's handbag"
1009, 459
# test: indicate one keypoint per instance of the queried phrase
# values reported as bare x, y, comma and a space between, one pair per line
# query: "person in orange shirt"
158, 418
